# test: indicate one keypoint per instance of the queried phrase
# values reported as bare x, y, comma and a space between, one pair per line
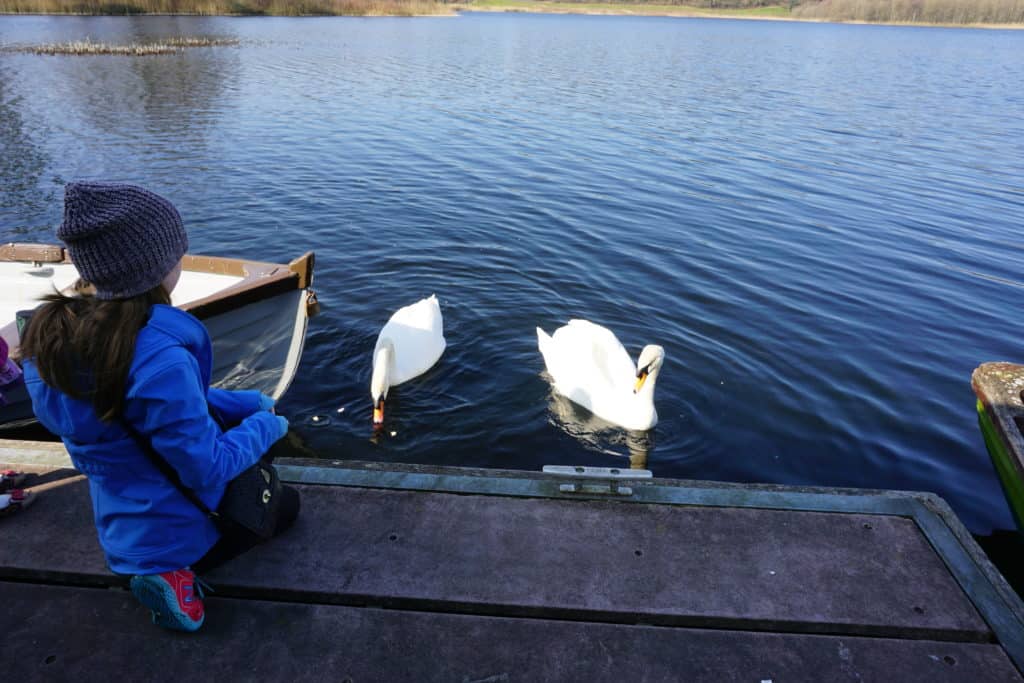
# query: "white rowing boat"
256, 313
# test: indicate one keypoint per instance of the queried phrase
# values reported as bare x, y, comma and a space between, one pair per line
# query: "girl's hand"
267, 403
282, 424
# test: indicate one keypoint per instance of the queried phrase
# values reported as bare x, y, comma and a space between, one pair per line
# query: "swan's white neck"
640, 404
646, 393
380, 382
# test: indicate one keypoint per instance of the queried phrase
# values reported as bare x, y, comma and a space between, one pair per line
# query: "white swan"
408, 345
590, 367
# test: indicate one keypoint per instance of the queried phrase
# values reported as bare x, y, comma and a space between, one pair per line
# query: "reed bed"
229, 7
916, 11
89, 47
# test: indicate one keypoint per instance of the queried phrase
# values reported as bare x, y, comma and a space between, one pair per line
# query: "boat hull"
256, 313
259, 346
1000, 408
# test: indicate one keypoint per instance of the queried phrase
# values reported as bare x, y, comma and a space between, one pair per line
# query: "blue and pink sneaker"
175, 598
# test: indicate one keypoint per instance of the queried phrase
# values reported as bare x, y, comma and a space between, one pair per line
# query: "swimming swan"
589, 366
409, 344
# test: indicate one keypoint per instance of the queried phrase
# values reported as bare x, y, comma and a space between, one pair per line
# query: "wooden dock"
405, 573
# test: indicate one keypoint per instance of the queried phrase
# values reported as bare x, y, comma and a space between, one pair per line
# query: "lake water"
820, 223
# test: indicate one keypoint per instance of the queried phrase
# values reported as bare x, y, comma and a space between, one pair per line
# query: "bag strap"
168, 471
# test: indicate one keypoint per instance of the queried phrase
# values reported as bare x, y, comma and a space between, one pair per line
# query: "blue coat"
145, 525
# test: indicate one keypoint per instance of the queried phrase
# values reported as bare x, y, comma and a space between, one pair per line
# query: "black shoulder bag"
251, 500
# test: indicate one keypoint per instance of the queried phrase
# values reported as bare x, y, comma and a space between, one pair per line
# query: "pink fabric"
9, 371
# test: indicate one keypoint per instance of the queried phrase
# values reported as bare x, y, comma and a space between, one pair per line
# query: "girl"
111, 369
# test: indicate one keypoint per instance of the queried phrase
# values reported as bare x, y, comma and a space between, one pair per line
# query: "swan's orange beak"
641, 377
378, 412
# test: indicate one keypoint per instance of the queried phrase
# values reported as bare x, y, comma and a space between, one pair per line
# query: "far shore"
429, 8
772, 13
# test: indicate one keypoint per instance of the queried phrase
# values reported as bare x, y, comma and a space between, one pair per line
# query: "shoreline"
613, 9
775, 13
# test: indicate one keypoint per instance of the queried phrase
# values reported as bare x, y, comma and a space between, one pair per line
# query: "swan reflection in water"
599, 435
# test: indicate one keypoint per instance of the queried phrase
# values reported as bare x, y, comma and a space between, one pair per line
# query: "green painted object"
1013, 485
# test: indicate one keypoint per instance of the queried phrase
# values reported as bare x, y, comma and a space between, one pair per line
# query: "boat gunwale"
987, 382
260, 279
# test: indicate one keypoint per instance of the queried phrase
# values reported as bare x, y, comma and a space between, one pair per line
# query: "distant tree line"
223, 7
918, 11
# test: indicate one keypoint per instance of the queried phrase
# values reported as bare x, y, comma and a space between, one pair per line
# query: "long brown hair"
84, 346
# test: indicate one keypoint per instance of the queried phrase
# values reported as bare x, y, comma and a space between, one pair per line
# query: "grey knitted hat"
123, 239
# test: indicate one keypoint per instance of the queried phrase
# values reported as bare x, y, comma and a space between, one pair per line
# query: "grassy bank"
229, 7
639, 8
949, 12
1003, 13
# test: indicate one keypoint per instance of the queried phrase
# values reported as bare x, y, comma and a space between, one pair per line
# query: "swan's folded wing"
416, 351
609, 365
597, 355
425, 314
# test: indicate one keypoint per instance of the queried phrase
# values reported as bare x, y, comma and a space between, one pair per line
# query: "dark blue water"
820, 223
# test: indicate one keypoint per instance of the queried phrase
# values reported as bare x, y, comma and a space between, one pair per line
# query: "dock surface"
403, 573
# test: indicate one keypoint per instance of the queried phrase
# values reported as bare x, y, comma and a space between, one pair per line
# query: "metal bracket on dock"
602, 481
